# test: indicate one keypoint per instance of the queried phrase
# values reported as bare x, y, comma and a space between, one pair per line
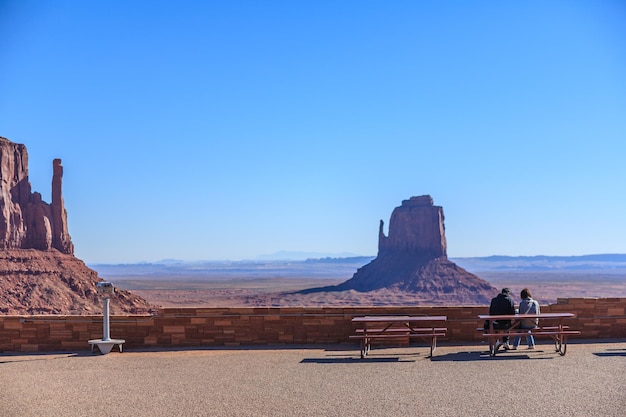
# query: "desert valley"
41, 275
279, 282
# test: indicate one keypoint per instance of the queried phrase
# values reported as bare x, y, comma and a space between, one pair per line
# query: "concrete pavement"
318, 381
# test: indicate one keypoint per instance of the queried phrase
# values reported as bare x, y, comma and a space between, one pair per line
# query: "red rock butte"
413, 258
38, 270
27, 222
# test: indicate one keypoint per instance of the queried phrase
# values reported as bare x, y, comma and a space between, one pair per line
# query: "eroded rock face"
413, 258
50, 282
38, 270
26, 221
416, 228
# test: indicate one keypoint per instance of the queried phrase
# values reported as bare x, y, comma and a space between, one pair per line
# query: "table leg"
433, 345
563, 348
563, 339
492, 340
558, 341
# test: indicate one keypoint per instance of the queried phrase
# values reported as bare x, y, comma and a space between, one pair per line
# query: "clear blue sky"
226, 130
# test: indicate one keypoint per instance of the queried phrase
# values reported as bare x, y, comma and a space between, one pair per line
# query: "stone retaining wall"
188, 327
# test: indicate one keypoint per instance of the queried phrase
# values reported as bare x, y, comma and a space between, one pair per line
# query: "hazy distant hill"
302, 256
340, 267
603, 262
335, 268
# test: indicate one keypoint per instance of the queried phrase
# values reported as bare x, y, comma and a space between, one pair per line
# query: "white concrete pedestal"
105, 346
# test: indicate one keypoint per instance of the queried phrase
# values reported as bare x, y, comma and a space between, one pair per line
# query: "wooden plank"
565, 332
526, 316
404, 329
399, 319
540, 328
396, 336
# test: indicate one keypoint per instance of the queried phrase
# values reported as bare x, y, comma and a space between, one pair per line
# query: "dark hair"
526, 293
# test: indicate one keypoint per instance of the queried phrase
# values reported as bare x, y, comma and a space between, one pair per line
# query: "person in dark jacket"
502, 304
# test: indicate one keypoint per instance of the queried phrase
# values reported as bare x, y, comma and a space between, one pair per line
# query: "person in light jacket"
527, 306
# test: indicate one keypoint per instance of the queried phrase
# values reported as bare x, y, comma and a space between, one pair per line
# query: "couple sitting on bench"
504, 304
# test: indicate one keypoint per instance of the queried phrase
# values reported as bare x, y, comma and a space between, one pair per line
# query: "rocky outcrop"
50, 282
416, 228
413, 258
38, 270
26, 221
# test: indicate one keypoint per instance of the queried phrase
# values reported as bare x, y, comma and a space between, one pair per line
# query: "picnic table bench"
557, 331
397, 328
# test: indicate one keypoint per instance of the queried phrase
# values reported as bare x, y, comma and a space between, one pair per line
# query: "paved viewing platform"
319, 380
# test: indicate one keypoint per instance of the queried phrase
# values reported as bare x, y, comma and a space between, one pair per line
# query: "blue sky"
227, 130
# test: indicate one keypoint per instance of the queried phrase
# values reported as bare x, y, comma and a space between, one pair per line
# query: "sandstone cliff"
27, 222
413, 258
38, 270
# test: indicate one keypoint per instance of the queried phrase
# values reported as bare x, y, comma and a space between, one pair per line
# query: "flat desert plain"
278, 285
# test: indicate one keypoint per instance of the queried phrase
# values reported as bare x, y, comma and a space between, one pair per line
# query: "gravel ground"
318, 381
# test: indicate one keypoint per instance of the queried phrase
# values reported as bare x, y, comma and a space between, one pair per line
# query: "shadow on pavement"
611, 352
29, 357
477, 356
352, 360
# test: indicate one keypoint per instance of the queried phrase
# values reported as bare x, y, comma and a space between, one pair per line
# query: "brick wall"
178, 327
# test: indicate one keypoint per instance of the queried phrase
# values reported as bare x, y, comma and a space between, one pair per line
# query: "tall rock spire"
60, 235
26, 221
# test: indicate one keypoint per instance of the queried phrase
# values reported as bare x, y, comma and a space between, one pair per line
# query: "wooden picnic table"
394, 328
557, 331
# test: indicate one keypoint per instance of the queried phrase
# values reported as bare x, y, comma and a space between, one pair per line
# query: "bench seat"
540, 328
555, 331
396, 336
405, 330
534, 333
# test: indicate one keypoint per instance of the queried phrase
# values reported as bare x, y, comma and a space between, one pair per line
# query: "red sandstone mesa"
38, 270
413, 258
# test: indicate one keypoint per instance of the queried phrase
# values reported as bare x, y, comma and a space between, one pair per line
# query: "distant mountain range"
336, 268
344, 267
301, 256
604, 262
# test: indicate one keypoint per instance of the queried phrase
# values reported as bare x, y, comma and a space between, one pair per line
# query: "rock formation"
27, 222
50, 282
38, 270
413, 258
